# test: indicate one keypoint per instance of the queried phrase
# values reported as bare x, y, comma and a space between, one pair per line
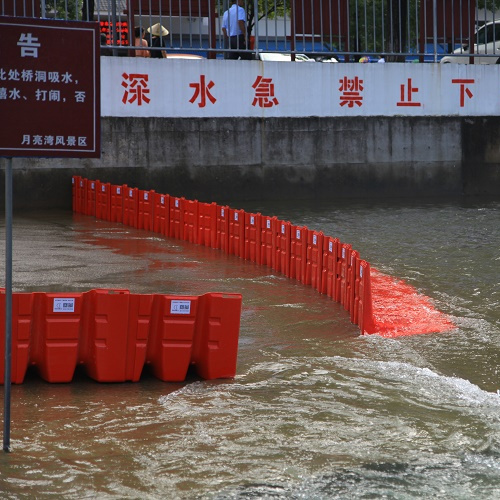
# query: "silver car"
486, 48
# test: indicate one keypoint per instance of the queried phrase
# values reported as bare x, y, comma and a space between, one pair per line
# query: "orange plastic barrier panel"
190, 220
216, 335
170, 345
314, 259
176, 223
298, 252
145, 210
117, 195
344, 267
131, 207
57, 322
103, 344
103, 201
75, 181
22, 310
282, 259
207, 224
80, 195
330, 269
252, 237
351, 281
267, 240
237, 232
161, 213
90, 198
222, 228
366, 321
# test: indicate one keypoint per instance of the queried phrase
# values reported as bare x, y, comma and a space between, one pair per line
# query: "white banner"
221, 88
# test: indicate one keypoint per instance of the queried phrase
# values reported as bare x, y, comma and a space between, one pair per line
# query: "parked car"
487, 47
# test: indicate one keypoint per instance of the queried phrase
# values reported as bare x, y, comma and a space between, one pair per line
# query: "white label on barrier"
162, 200
130, 193
222, 212
360, 272
177, 203
72, 180
298, 234
180, 307
103, 188
330, 246
252, 220
64, 306
282, 228
235, 215
343, 253
268, 224
92, 185
118, 190
146, 196
315, 239
81, 183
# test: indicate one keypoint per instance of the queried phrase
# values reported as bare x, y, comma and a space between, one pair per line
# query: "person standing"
140, 42
157, 38
234, 30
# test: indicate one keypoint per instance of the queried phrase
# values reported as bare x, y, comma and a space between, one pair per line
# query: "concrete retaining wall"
224, 159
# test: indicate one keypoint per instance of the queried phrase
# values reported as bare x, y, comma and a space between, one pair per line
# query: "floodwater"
316, 411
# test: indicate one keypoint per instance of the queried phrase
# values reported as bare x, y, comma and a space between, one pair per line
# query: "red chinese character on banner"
463, 89
409, 95
136, 88
203, 91
264, 93
351, 91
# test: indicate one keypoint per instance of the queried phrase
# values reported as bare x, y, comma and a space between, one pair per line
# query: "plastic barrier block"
252, 237
21, 329
190, 220
161, 213
216, 335
351, 282
176, 223
80, 196
330, 269
344, 267
282, 258
90, 198
103, 344
237, 232
75, 181
267, 240
366, 321
145, 210
117, 195
170, 344
56, 334
222, 228
314, 259
131, 207
139, 326
298, 252
103, 201
207, 224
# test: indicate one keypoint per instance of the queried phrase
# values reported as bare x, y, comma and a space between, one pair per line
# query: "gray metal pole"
8, 304
434, 27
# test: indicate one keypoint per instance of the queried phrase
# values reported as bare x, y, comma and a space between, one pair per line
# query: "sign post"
50, 107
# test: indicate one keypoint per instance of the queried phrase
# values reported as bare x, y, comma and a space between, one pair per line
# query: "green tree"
63, 9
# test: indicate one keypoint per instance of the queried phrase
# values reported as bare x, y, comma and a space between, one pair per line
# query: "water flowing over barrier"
377, 303
114, 334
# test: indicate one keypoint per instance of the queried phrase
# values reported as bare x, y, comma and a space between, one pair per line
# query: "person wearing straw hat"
157, 38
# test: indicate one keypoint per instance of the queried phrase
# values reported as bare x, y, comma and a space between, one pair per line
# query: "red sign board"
49, 88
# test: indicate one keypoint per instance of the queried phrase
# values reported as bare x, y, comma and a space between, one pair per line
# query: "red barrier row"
328, 265
114, 334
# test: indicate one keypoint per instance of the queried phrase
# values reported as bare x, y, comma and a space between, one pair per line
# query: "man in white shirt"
234, 30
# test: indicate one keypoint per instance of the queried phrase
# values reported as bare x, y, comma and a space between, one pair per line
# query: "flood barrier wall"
328, 265
113, 334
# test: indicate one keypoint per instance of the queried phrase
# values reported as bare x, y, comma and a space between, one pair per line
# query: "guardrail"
346, 30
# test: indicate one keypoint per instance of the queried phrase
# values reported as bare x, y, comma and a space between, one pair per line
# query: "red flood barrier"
222, 228
298, 252
116, 211
130, 206
314, 259
282, 250
189, 230
268, 240
236, 232
90, 198
145, 210
103, 201
176, 222
252, 234
161, 213
207, 224
113, 334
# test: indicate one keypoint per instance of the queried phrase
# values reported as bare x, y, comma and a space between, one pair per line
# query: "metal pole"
8, 304
434, 27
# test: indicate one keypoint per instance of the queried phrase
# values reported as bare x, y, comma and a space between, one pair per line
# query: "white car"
487, 47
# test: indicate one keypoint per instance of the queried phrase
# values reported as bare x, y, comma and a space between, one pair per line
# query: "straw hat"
157, 30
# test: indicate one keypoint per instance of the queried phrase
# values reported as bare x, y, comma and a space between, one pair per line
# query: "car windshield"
488, 34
